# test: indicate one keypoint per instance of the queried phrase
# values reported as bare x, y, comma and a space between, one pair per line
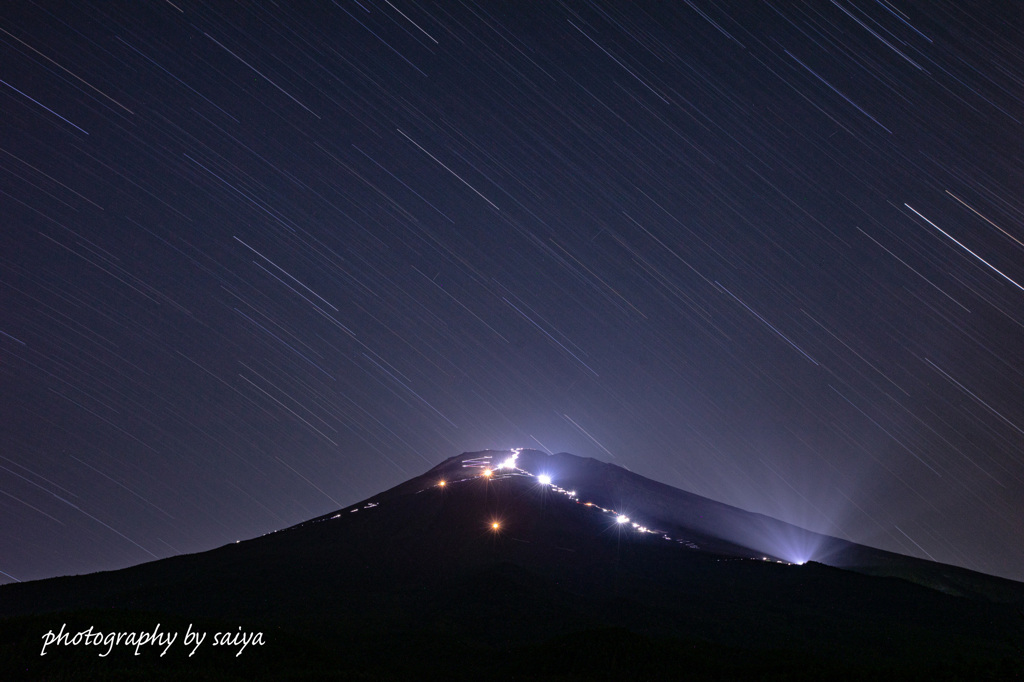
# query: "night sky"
259, 262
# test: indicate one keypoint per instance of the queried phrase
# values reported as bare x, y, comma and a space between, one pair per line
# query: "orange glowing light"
495, 525
442, 483
488, 473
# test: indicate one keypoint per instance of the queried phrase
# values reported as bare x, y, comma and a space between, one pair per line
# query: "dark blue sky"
259, 262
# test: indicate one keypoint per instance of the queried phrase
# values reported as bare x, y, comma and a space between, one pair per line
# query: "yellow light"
495, 525
442, 483
488, 473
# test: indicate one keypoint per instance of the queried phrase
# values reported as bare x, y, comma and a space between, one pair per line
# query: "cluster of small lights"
780, 561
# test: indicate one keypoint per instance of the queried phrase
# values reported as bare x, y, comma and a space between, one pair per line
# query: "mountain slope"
424, 564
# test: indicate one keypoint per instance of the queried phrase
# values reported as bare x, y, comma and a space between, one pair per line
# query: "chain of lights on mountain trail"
507, 468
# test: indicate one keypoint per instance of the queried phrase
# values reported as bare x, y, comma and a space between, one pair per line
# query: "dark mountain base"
505, 622
596, 654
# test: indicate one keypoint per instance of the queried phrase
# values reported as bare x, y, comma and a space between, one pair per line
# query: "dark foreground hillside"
419, 583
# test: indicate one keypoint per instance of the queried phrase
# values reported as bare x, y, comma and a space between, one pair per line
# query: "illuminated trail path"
483, 466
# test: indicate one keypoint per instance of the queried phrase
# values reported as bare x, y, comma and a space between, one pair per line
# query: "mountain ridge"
481, 552
749, 534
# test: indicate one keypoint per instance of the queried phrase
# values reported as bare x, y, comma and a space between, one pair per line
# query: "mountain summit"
522, 565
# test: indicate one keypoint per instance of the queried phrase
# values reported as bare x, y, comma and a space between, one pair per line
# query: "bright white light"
487, 473
510, 462
495, 525
621, 518
544, 479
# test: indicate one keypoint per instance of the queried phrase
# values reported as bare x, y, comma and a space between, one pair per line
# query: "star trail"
261, 261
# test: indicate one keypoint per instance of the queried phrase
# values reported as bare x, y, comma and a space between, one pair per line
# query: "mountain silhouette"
522, 565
